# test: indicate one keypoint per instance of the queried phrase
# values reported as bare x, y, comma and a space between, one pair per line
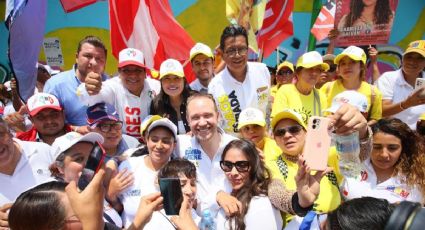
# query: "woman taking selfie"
395, 168
250, 180
171, 101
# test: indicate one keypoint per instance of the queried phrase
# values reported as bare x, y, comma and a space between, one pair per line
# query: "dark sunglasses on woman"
241, 166
294, 129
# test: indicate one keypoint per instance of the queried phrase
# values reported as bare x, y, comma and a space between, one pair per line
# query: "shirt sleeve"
280, 102
376, 112
385, 86
106, 94
262, 215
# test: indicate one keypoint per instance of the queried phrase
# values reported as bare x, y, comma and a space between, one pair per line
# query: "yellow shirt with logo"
329, 197
288, 97
331, 89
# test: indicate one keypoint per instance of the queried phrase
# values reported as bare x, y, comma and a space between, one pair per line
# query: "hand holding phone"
172, 193
317, 143
419, 84
94, 163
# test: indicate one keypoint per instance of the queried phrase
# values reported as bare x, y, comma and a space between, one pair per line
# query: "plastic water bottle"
348, 148
207, 221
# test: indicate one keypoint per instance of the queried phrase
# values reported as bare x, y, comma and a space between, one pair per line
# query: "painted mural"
204, 21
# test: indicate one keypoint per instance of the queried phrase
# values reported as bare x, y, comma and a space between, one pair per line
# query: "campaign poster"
53, 51
364, 22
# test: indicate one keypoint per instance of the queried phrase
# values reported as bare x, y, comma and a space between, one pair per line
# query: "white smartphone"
420, 83
317, 143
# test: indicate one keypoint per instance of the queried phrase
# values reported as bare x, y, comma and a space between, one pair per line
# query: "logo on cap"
131, 53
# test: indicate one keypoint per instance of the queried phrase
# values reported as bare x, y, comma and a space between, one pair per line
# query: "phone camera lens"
314, 121
313, 126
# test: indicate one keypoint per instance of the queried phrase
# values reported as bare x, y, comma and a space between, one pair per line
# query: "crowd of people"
234, 138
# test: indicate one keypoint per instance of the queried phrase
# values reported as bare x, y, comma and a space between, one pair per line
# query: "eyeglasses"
106, 127
295, 129
283, 73
241, 166
231, 52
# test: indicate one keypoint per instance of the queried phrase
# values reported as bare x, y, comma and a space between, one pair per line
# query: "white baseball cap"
171, 66
131, 56
312, 59
200, 48
163, 122
251, 116
351, 97
63, 143
40, 101
48, 69
353, 52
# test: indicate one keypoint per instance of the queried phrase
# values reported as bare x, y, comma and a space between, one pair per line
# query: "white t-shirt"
210, 177
366, 185
395, 88
144, 184
197, 86
32, 169
132, 109
261, 215
233, 96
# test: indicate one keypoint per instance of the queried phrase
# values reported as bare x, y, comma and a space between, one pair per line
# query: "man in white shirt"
202, 60
204, 149
400, 99
22, 165
241, 84
131, 93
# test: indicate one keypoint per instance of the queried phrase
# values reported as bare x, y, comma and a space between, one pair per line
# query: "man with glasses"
103, 119
241, 84
202, 60
131, 93
47, 117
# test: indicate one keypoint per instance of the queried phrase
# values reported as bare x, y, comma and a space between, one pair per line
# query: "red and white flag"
277, 25
73, 5
325, 21
149, 25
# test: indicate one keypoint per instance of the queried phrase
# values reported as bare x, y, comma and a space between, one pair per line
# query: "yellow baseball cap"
416, 47
353, 52
288, 114
422, 117
147, 121
285, 64
171, 67
312, 59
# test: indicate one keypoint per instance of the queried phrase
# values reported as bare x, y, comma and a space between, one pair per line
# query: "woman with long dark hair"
171, 101
250, 180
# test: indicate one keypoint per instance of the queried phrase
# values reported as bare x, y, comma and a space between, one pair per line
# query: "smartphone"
172, 193
317, 143
420, 83
94, 163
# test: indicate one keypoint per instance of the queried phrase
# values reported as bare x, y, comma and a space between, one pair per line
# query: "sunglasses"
283, 73
241, 166
295, 129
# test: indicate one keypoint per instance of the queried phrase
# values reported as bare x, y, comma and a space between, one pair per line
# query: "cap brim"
178, 74
324, 66
104, 118
204, 53
413, 50
37, 110
126, 63
91, 137
260, 123
286, 115
162, 123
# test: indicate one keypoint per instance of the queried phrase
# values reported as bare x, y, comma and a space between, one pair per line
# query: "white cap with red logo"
131, 56
40, 101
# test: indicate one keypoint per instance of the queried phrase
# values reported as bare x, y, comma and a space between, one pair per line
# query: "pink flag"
277, 25
149, 25
325, 21
72, 5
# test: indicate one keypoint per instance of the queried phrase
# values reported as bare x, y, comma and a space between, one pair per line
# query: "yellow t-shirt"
271, 150
331, 89
329, 197
288, 97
